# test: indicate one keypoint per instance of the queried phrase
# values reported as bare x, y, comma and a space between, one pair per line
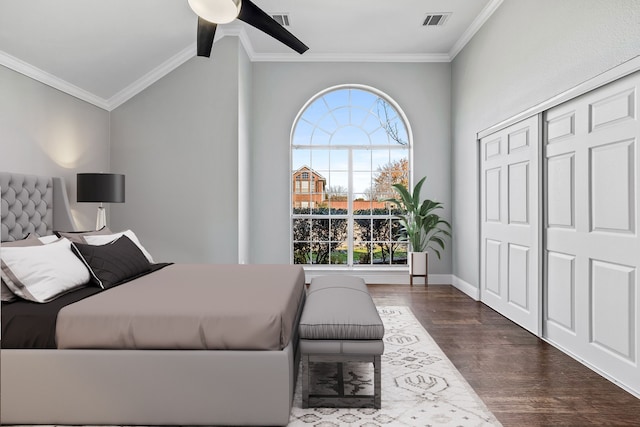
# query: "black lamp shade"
100, 187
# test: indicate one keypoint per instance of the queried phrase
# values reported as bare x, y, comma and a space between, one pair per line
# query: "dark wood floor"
523, 380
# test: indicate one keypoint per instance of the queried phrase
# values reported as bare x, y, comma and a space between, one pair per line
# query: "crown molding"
350, 57
174, 62
477, 23
42, 76
236, 29
151, 77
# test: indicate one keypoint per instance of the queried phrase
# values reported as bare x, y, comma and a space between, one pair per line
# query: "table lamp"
100, 188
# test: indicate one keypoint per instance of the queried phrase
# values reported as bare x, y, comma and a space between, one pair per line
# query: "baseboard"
465, 287
381, 277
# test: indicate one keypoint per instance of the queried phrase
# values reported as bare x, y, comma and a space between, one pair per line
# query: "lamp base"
101, 219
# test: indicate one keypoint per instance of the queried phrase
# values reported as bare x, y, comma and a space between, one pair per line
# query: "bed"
153, 378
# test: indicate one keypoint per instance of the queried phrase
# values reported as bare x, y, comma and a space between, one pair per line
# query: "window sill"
371, 275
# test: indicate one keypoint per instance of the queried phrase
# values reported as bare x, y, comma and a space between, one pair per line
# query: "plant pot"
418, 265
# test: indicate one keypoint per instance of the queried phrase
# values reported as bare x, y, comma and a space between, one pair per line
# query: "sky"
342, 123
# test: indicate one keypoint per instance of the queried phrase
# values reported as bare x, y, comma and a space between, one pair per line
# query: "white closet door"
509, 281
592, 247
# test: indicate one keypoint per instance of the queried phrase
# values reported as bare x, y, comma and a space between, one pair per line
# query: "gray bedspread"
189, 306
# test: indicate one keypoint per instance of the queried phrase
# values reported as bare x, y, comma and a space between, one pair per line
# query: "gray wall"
46, 132
177, 143
280, 90
526, 53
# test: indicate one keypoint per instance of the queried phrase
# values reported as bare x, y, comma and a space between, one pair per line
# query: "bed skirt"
147, 387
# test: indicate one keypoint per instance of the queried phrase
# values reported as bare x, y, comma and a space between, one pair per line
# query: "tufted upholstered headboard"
33, 204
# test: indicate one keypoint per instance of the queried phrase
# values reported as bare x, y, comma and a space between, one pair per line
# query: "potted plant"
420, 226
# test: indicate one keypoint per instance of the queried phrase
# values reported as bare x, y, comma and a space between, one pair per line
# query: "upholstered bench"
340, 323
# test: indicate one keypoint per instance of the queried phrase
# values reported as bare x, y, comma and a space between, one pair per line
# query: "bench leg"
377, 382
305, 381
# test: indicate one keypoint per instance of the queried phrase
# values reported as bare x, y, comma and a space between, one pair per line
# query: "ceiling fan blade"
256, 17
206, 32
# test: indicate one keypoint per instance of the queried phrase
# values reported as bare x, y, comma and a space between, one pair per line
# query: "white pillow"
103, 239
5, 293
42, 273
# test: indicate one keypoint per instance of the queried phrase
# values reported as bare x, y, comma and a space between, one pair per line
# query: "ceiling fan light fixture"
217, 11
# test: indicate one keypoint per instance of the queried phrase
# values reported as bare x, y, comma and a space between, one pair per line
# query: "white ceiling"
105, 51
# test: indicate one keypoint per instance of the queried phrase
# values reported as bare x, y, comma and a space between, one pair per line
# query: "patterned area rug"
420, 386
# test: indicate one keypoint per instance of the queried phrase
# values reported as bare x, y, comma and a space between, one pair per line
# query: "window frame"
349, 216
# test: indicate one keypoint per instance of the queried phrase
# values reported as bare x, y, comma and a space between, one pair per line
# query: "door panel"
591, 239
510, 223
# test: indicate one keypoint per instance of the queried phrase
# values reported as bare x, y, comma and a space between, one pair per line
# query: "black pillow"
114, 262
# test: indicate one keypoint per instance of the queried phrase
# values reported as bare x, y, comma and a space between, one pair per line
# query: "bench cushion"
340, 308
359, 347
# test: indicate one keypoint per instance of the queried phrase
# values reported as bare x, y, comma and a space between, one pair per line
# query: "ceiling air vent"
436, 19
281, 18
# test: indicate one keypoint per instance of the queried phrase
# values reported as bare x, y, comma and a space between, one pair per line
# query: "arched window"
353, 143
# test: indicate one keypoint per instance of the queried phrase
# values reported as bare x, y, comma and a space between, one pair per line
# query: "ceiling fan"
213, 12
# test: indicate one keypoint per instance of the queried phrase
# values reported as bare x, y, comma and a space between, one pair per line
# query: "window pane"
328, 124
337, 98
342, 115
338, 206
371, 123
358, 116
380, 158
300, 158
362, 229
301, 253
361, 160
300, 202
320, 253
380, 254
362, 253
362, 98
320, 137
361, 182
320, 230
380, 137
399, 253
302, 133
319, 160
339, 231
338, 179
381, 231
314, 112
338, 254
339, 160
361, 204
301, 229
350, 135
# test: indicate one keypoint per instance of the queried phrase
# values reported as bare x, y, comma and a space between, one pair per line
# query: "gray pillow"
78, 236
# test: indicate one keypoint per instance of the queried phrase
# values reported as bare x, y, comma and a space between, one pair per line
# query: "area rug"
420, 385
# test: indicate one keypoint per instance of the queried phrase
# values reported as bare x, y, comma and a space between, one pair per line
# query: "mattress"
189, 306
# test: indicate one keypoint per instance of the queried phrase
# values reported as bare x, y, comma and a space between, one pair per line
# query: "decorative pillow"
108, 238
43, 272
114, 262
79, 236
